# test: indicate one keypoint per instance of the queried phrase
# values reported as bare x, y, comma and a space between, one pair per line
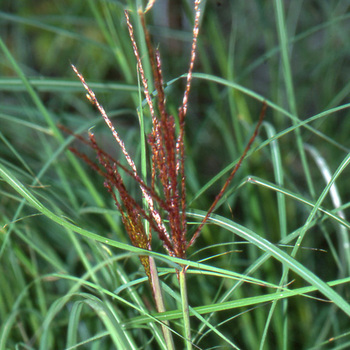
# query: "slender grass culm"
168, 166
167, 212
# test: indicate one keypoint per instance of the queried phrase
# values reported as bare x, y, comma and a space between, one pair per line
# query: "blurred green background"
248, 51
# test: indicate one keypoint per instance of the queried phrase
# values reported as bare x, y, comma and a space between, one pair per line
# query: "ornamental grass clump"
165, 211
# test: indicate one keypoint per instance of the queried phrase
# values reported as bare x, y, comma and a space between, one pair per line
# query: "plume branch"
229, 179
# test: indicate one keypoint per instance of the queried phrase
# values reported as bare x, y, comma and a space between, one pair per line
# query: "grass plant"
243, 238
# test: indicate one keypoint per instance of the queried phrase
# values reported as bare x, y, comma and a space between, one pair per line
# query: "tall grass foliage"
183, 227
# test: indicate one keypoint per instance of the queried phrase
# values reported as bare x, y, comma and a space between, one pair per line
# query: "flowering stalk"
167, 191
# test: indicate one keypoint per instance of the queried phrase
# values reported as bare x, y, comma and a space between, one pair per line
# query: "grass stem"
158, 297
185, 309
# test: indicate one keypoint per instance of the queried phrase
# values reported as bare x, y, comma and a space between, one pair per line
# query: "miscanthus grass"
198, 199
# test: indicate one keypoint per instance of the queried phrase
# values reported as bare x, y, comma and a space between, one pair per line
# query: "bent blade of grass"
59, 304
137, 299
176, 263
32, 200
223, 222
73, 324
6, 328
278, 254
94, 338
271, 139
45, 168
16, 154
337, 202
260, 182
317, 205
79, 283
109, 320
234, 304
26, 124
115, 325
292, 236
56, 132
62, 85
277, 108
263, 244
